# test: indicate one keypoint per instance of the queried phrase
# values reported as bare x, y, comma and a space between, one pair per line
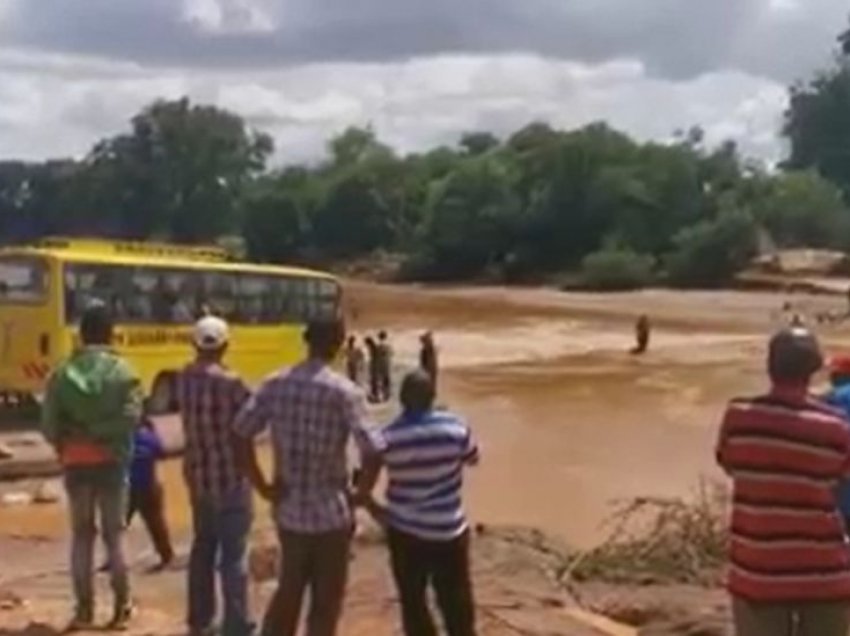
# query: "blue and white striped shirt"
424, 454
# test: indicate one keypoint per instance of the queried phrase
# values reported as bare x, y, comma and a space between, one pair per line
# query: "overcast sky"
421, 71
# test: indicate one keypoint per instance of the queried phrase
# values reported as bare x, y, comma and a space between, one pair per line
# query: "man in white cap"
208, 397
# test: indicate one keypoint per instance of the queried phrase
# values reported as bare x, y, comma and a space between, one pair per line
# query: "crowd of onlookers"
96, 419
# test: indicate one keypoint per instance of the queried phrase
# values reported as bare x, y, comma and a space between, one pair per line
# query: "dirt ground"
568, 422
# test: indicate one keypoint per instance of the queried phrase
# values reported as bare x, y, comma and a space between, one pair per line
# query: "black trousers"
150, 504
314, 563
442, 565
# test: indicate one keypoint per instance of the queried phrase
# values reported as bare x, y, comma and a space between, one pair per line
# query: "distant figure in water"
428, 356
384, 351
374, 368
355, 361
643, 330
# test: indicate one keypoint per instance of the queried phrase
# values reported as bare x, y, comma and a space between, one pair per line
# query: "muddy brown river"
567, 419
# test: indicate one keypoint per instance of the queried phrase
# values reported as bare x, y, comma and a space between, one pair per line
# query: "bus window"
299, 301
218, 293
311, 299
327, 299
320, 298
140, 306
285, 300
22, 279
177, 297
85, 284
253, 291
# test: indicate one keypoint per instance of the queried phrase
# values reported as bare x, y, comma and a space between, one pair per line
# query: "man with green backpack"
91, 407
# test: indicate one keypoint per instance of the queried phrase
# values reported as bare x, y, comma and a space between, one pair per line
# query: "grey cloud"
413, 105
673, 38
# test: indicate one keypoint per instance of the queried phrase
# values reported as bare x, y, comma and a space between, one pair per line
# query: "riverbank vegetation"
611, 211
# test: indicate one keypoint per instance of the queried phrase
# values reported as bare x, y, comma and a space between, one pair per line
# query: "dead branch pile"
656, 540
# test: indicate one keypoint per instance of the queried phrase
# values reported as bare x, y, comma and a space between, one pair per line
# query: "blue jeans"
97, 491
221, 528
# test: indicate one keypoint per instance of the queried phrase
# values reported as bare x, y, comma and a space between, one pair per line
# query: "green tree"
353, 219
276, 228
817, 125
355, 145
470, 219
800, 209
183, 166
710, 253
478, 143
569, 201
52, 197
613, 269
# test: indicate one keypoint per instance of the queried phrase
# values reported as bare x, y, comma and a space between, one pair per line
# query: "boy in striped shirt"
786, 453
425, 452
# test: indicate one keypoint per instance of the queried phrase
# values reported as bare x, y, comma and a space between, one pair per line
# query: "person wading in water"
643, 331
428, 360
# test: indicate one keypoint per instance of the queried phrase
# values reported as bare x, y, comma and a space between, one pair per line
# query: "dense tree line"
593, 202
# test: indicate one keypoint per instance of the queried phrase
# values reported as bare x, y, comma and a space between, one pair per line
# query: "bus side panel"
153, 349
254, 351
31, 339
257, 351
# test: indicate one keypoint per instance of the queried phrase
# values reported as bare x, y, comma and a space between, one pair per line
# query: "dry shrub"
657, 540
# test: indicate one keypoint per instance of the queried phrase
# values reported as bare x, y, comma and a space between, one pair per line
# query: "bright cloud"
57, 106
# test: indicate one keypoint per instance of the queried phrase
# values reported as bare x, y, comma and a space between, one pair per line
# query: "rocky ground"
518, 574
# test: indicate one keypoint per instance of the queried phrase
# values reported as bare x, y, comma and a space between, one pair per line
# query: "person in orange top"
92, 404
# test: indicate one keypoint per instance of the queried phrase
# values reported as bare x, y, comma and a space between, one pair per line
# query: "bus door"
28, 324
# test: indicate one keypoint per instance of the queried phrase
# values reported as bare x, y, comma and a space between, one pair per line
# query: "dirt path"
515, 574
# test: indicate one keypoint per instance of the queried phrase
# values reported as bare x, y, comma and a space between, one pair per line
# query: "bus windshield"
23, 279
159, 295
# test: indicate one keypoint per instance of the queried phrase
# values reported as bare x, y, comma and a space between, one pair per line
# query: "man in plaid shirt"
312, 412
208, 397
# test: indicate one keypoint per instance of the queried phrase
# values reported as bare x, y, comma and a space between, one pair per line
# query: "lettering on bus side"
151, 337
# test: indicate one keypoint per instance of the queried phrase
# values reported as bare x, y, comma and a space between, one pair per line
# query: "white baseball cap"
211, 333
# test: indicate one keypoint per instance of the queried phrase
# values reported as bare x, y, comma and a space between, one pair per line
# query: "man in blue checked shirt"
311, 412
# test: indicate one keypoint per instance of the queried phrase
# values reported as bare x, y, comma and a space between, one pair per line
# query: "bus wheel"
160, 402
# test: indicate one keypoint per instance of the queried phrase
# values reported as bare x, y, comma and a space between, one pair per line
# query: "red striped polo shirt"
786, 457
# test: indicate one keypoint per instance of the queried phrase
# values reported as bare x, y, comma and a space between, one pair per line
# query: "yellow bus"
156, 292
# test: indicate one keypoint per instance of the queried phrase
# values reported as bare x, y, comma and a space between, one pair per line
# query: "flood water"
567, 419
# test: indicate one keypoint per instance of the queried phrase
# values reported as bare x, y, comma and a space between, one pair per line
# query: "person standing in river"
428, 360
384, 351
355, 361
643, 332
374, 371
92, 404
786, 453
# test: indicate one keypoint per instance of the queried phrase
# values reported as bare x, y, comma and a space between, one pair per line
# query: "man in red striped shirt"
786, 453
